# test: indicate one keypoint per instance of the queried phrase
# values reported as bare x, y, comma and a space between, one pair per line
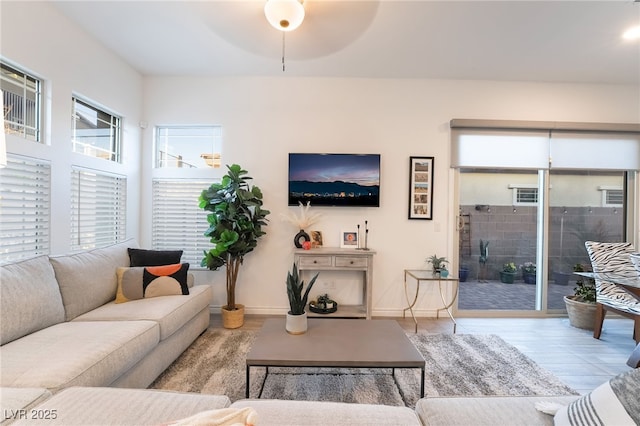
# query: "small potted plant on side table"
437, 263
508, 273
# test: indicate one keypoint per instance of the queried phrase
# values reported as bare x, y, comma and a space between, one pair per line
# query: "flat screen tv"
350, 180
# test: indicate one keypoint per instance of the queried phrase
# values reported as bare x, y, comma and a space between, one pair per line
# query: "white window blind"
24, 208
544, 145
178, 222
98, 209
599, 151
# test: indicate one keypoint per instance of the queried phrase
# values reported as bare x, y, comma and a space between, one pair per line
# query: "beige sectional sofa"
60, 326
67, 347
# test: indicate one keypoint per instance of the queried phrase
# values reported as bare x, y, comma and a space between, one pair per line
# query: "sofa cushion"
487, 410
76, 354
321, 413
142, 257
88, 279
30, 299
114, 406
15, 402
170, 312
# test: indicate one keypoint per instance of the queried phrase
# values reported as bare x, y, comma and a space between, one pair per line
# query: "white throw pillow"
612, 403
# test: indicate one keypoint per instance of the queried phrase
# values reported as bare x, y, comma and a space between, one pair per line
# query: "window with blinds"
178, 223
24, 208
98, 209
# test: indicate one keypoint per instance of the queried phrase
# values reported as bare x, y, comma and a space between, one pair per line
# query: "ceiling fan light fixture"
284, 15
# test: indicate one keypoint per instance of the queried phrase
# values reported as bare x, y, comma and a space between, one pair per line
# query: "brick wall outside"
512, 236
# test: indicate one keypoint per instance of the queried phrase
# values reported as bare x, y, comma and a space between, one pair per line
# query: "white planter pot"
296, 324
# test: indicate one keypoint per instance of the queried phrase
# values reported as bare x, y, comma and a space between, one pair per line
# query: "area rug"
456, 365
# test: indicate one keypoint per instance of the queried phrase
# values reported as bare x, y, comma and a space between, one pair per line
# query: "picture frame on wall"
421, 188
349, 239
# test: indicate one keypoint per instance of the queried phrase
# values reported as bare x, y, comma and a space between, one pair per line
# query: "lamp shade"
284, 15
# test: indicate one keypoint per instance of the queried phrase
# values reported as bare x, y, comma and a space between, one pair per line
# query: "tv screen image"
351, 180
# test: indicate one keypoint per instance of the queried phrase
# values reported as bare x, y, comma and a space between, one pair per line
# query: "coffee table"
338, 343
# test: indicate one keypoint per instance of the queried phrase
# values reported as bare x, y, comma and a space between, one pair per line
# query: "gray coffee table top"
335, 343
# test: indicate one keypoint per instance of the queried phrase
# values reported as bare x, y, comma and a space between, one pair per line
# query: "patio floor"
494, 295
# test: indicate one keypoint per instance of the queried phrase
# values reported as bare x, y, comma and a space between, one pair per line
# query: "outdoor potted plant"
297, 316
437, 263
508, 273
463, 273
235, 225
581, 307
529, 272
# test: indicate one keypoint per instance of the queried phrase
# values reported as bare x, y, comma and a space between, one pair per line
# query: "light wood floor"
572, 354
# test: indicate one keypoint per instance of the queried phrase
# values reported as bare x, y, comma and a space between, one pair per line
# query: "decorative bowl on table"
635, 259
324, 305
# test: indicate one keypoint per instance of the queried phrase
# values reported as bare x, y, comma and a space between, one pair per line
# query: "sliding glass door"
530, 194
498, 233
503, 227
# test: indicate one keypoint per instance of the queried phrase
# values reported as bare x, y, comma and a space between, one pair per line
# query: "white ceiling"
551, 41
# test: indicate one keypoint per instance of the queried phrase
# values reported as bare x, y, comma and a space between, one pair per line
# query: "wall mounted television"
348, 180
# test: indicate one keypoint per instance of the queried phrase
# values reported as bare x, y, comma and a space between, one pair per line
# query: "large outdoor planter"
507, 277
581, 314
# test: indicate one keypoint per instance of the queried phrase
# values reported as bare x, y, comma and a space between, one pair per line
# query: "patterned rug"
456, 365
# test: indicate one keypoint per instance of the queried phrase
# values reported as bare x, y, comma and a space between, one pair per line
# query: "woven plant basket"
581, 314
233, 319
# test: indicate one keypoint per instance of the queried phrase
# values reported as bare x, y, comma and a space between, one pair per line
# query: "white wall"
264, 119
37, 38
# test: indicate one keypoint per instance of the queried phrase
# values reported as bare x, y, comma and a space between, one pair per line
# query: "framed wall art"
349, 239
421, 188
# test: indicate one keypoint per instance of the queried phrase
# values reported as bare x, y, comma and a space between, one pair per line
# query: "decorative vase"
444, 273
581, 314
507, 277
233, 319
529, 278
300, 238
296, 324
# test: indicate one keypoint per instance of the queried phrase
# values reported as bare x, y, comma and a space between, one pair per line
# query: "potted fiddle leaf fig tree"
236, 220
297, 316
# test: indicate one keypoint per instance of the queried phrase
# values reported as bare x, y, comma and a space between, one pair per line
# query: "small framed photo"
421, 188
349, 239
316, 239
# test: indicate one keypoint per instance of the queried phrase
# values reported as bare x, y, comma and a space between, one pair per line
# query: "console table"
341, 259
420, 275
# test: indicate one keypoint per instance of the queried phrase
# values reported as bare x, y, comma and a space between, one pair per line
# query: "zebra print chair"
613, 258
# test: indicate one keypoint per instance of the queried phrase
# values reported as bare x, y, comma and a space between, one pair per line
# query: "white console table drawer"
351, 262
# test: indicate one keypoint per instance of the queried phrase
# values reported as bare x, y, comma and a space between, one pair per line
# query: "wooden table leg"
634, 359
